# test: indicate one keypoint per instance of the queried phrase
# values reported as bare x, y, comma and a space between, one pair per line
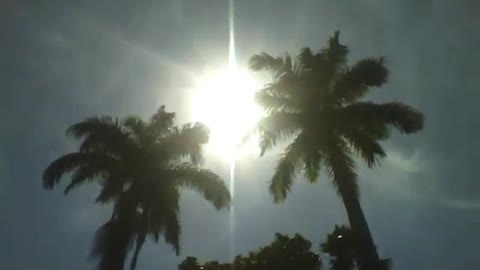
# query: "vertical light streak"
232, 66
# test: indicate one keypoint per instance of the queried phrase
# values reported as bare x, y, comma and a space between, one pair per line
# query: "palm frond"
83, 174
162, 207
288, 63
286, 169
138, 247
91, 125
156, 222
111, 244
98, 166
376, 131
288, 84
139, 241
186, 141
272, 102
112, 187
369, 71
365, 146
312, 160
161, 121
157, 217
267, 62
306, 57
135, 125
341, 166
355, 82
203, 181
335, 52
368, 114
172, 231
62, 165
102, 133
325, 65
277, 126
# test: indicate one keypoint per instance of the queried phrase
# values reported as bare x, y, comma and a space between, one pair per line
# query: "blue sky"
61, 61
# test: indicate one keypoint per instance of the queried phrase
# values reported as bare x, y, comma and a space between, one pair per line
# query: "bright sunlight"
223, 100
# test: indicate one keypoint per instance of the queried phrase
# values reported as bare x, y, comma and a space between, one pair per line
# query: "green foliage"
284, 253
140, 167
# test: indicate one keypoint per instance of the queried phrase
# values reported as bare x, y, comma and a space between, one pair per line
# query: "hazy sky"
61, 61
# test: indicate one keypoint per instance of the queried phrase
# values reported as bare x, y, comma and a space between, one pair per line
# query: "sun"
224, 101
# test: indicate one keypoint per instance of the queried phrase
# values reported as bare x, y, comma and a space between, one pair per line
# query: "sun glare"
223, 100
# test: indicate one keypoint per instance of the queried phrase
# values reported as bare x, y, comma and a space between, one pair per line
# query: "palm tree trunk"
120, 263
139, 243
368, 256
120, 251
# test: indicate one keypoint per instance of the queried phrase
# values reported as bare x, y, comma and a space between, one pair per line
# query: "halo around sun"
224, 101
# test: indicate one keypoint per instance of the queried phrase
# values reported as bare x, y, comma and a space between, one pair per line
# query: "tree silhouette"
284, 253
342, 246
141, 168
315, 100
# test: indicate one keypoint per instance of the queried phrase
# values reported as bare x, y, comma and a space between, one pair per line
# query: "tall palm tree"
315, 100
140, 167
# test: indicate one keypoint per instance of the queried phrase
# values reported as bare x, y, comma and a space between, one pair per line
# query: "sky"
61, 61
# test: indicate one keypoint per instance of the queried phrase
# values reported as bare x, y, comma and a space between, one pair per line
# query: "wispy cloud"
462, 204
410, 164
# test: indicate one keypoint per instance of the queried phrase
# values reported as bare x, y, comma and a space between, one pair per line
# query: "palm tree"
140, 167
315, 100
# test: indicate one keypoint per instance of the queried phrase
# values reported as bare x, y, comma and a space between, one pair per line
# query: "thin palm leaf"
277, 126
365, 114
203, 181
285, 171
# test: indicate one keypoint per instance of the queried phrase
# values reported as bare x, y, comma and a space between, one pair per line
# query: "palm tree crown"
315, 101
140, 167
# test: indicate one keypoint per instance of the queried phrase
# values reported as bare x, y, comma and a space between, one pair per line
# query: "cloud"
409, 164
463, 204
